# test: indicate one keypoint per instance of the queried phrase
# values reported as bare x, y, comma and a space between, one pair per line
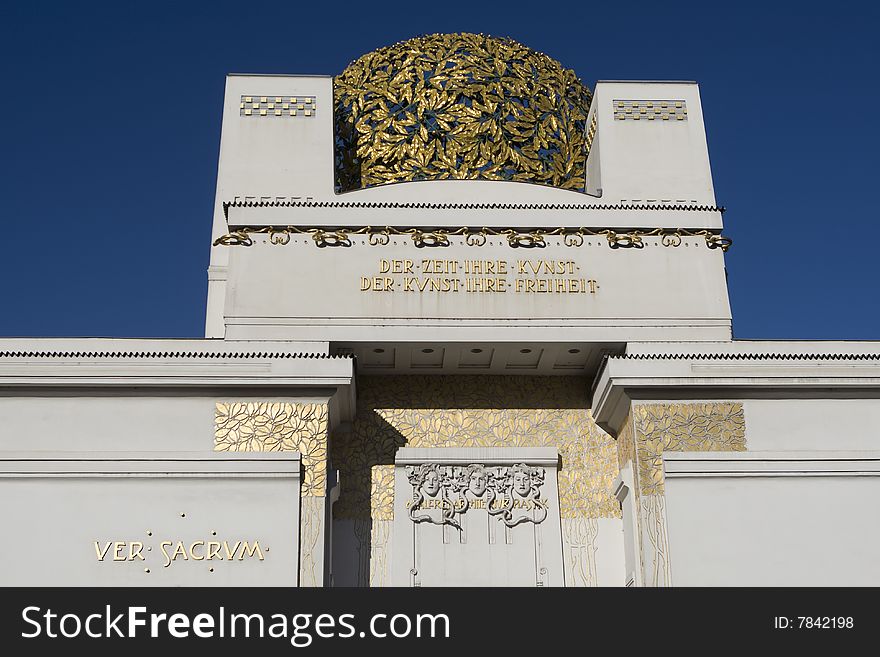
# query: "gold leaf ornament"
459, 106
472, 411
275, 427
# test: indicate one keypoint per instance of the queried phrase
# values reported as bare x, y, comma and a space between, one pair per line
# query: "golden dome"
459, 106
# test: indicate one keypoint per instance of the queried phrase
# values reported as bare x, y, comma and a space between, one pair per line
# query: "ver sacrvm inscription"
177, 550
519, 276
173, 550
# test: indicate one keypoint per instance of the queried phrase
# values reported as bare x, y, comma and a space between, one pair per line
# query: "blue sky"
111, 124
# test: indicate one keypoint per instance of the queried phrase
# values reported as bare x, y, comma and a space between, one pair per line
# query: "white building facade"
467, 324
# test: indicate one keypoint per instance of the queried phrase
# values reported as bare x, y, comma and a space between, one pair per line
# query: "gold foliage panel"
625, 446
709, 427
277, 427
459, 106
473, 411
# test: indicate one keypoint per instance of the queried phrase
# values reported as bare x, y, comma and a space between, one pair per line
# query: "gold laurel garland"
381, 236
459, 106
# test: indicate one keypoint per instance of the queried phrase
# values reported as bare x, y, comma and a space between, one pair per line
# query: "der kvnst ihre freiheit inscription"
522, 276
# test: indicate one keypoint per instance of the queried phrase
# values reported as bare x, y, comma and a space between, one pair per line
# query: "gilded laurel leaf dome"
459, 106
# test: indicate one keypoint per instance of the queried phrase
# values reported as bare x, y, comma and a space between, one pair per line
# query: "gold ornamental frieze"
525, 238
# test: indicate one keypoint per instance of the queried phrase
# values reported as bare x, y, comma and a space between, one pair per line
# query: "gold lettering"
118, 546
192, 550
162, 546
396, 266
102, 553
214, 550
180, 551
486, 276
245, 548
230, 554
134, 550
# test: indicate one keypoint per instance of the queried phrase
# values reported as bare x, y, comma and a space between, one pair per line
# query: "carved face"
478, 482
522, 482
432, 483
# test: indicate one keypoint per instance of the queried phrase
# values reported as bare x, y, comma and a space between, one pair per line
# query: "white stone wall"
147, 519
812, 424
773, 518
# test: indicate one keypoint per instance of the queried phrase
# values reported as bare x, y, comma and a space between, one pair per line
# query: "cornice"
216, 355
747, 356
393, 205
